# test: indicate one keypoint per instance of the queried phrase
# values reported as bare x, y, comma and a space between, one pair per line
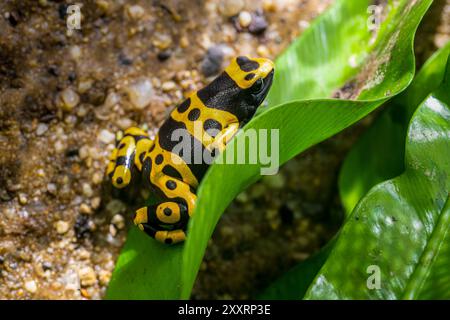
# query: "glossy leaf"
302, 123
378, 155
400, 228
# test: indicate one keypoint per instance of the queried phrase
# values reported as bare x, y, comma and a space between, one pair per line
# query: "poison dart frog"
221, 108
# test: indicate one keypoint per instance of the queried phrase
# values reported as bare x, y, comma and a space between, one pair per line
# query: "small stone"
124, 123
87, 276
61, 226
168, 86
269, 6
135, 12
23, 200
112, 230
140, 93
111, 100
41, 129
106, 136
85, 209
258, 24
87, 190
262, 51
245, 18
231, 8
31, 286
82, 111
212, 62
95, 202
163, 55
67, 99
184, 42
97, 178
75, 52
84, 85
59, 146
51, 188
162, 41
118, 221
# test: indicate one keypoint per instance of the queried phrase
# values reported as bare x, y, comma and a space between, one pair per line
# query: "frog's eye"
258, 86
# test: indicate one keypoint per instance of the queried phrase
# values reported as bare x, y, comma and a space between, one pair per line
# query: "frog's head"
241, 88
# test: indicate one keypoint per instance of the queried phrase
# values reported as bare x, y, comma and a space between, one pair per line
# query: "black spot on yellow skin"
194, 114
246, 64
167, 211
159, 159
171, 185
250, 76
184, 105
168, 241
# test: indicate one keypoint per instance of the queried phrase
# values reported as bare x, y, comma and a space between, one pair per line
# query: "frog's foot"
128, 156
166, 221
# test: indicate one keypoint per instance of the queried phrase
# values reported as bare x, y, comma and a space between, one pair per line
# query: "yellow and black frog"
208, 119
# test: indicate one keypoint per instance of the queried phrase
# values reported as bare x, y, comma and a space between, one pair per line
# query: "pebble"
112, 230
162, 41
106, 136
269, 5
51, 188
23, 199
31, 286
97, 178
212, 62
75, 52
124, 123
135, 12
41, 129
95, 202
68, 99
111, 100
258, 24
87, 276
59, 146
118, 221
262, 51
245, 18
231, 8
87, 190
168, 86
62, 226
85, 209
140, 93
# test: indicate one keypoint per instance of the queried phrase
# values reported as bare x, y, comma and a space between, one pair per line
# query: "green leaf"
378, 155
339, 36
402, 225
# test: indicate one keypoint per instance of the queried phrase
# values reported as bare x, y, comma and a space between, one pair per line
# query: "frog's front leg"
167, 221
222, 139
127, 157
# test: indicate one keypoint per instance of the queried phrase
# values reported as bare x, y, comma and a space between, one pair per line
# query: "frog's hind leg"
166, 221
127, 157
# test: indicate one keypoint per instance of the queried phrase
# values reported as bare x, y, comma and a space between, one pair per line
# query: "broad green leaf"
385, 67
401, 227
294, 283
378, 155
